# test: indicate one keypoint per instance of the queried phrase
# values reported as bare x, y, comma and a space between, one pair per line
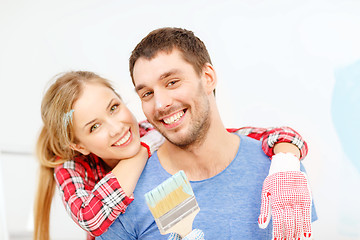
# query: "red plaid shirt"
94, 198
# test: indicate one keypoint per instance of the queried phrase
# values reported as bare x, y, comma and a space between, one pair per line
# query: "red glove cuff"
147, 148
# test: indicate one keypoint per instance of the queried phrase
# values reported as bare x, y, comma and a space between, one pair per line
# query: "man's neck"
201, 161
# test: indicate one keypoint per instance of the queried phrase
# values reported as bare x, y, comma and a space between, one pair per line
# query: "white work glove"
286, 197
153, 139
195, 234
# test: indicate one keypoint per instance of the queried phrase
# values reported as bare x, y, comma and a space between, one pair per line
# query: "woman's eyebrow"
108, 106
92, 121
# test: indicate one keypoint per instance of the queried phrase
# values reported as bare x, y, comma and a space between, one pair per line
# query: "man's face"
173, 97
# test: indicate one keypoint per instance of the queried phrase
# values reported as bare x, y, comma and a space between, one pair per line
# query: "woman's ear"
210, 78
80, 148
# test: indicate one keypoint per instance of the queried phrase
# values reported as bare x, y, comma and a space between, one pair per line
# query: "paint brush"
173, 205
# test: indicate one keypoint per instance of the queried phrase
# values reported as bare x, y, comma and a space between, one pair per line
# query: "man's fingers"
289, 222
265, 211
265, 217
278, 223
263, 222
307, 235
299, 220
307, 217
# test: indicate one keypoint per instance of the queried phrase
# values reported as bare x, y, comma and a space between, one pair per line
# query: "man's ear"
80, 148
210, 78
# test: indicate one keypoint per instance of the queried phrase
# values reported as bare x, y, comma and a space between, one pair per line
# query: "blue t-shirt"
229, 202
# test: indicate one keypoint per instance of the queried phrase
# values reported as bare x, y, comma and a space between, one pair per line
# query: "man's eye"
146, 94
94, 127
171, 83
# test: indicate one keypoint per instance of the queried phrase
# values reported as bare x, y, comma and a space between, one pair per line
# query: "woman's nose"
114, 127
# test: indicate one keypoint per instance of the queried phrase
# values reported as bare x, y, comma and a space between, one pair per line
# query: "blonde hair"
53, 144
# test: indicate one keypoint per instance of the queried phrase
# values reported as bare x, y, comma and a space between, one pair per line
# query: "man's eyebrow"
168, 74
139, 87
162, 76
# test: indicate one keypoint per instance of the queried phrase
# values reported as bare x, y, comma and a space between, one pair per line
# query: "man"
172, 73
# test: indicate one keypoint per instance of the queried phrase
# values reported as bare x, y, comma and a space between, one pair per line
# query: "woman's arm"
286, 147
128, 171
274, 140
95, 199
92, 199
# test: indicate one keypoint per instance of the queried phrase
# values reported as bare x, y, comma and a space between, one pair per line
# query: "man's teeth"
174, 118
124, 139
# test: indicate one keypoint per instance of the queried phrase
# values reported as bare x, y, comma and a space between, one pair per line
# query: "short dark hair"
166, 39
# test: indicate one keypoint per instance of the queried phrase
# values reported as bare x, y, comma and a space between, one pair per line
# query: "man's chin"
180, 141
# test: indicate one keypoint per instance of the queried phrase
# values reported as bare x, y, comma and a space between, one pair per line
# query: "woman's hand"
128, 171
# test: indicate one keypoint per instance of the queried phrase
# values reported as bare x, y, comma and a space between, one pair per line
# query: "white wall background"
275, 60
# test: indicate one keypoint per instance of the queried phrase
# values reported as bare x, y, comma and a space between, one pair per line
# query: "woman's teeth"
174, 118
124, 139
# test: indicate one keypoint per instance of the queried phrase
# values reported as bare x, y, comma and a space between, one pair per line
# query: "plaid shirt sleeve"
271, 136
93, 203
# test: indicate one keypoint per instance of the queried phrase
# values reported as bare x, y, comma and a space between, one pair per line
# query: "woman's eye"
94, 127
114, 107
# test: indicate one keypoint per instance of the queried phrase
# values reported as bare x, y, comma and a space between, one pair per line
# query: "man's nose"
162, 100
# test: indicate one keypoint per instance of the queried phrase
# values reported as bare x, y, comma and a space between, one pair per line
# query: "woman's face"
104, 125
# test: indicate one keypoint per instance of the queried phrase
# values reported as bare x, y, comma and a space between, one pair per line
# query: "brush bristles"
169, 202
169, 194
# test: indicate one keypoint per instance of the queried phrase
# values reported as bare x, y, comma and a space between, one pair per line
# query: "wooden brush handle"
184, 227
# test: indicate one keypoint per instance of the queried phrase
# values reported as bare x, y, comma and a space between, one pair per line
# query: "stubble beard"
197, 130
196, 134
